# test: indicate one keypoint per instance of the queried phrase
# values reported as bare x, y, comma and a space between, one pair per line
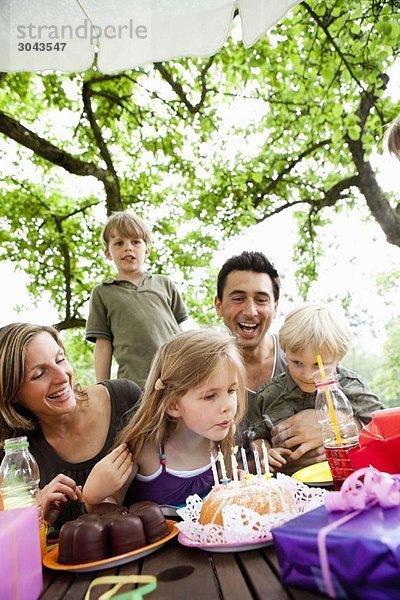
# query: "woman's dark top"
124, 395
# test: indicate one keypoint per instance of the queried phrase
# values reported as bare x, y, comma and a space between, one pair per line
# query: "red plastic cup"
339, 462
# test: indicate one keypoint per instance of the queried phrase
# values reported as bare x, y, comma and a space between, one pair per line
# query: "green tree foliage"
359, 360
157, 140
387, 379
321, 81
80, 356
386, 375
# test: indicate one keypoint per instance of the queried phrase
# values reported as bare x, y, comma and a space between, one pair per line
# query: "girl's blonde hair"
187, 360
14, 340
127, 225
317, 326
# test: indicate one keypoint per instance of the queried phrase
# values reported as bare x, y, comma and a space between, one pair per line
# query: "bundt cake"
261, 494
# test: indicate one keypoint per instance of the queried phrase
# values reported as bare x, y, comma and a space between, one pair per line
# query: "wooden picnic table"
188, 573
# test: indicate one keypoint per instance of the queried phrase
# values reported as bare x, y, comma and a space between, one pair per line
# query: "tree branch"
330, 198
368, 101
335, 192
178, 89
382, 211
24, 136
70, 323
111, 182
280, 209
325, 29
289, 166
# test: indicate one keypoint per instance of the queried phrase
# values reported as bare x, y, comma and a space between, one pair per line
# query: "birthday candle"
234, 467
244, 460
257, 461
222, 463
265, 457
214, 469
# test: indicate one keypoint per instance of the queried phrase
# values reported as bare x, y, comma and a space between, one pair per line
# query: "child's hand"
56, 493
304, 456
276, 458
108, 476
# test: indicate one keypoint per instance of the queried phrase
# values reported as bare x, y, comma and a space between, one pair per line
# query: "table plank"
260, 577
231, 581
49, 576
188, 573
272, 559
78, 587
181, 573
72, 586
58, 587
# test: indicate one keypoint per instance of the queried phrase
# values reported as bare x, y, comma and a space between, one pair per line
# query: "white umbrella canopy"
69, 35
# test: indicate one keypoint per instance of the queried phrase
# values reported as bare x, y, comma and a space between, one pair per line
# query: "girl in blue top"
192, 401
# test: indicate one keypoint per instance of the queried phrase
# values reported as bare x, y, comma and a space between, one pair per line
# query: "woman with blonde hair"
192, 401
69, 429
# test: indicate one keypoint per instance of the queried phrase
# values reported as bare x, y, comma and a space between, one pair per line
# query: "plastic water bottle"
19, 481
19, 475
339, 430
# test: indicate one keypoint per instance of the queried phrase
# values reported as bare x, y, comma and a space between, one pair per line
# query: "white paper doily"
243, 524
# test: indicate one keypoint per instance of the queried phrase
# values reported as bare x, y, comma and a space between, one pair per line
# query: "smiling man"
248, 289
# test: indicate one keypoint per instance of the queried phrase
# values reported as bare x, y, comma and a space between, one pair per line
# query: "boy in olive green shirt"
134, 314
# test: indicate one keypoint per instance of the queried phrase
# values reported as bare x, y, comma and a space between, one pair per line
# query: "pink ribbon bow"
357, 494
362, 490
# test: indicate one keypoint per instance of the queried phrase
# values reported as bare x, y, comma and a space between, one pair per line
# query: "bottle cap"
18, 442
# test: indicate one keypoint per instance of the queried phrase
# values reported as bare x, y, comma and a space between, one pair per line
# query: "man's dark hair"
248, 261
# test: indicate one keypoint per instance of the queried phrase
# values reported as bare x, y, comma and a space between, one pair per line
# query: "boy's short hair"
318, 326
248, 261
127, 225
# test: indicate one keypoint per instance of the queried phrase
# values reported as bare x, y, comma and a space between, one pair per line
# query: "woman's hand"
60, 490
108, 476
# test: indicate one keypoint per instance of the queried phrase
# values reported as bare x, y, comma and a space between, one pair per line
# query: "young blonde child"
193, 399
308, 330
132, 315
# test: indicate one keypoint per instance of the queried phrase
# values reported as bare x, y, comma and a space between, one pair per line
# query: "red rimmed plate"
238, 547
51, 559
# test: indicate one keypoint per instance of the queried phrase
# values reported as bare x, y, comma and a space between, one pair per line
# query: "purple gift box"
21, 562
360, 551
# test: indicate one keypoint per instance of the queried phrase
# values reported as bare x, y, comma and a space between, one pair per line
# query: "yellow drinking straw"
330, 403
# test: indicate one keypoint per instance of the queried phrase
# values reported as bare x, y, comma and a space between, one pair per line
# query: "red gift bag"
379, 442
